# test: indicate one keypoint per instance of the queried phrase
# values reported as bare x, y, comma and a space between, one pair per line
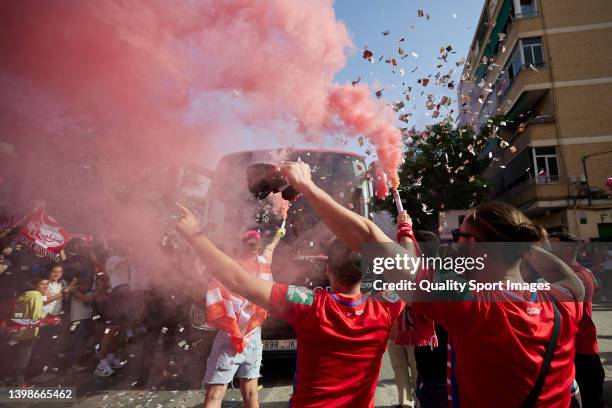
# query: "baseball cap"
251, 234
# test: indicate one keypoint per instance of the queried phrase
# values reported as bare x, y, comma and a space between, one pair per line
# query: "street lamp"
586, 175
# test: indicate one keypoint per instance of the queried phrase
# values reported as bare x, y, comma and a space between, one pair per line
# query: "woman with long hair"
500, 338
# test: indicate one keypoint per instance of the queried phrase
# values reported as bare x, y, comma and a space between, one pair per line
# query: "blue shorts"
224, 363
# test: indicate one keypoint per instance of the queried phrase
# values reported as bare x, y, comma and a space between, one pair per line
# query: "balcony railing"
547, 179
510, 190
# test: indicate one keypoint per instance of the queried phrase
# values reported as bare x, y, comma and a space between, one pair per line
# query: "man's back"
340, 343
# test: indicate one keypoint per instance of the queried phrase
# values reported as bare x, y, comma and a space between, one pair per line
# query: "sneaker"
103, 369
114, 362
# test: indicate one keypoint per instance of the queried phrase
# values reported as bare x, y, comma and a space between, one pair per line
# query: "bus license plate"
289, 344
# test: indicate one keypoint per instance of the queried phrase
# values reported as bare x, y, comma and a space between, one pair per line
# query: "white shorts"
224, 363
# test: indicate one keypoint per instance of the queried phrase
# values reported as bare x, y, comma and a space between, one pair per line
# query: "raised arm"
63, 293
53, 298
555, 271
407, 242
222, 267
268, 251
350, 227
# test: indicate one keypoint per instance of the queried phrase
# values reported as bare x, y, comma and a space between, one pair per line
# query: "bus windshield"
230, 209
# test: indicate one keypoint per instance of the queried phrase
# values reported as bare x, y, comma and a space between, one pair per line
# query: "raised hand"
280, 233
404, 218
188, 224
298, 175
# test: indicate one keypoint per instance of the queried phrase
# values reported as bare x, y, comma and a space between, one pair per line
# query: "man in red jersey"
342, 334
589, 371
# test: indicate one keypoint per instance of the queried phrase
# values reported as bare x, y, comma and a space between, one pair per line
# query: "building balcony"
513, 25
548, 179
530, 175
530, 79
533, 189
538, 131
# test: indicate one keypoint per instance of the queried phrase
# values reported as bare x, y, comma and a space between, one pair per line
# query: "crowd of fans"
61, 316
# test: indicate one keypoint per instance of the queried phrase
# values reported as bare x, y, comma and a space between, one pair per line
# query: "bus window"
231, 208
214, 213
194, 187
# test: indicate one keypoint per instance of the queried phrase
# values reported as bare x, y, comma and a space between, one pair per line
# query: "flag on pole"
43, 234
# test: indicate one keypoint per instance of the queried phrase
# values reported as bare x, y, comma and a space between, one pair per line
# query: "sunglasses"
458, 234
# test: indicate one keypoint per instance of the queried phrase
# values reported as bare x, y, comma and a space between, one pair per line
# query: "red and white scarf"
232, 313
18, 324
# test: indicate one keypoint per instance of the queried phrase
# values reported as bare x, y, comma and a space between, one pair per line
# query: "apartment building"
545, 68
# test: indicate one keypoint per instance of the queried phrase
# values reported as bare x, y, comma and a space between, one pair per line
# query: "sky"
451, 22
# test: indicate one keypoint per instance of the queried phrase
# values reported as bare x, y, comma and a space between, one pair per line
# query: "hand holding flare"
398, 201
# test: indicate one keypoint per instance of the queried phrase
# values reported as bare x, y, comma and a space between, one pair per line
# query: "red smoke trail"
364, 116
279, 205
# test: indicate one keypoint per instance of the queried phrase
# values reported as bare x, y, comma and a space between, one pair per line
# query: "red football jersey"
498, 348
586, 338
341, 342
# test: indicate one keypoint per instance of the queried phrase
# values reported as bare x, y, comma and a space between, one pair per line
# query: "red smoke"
279, 205
99, 93
364, 116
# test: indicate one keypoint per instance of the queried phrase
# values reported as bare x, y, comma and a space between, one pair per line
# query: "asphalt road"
176, 377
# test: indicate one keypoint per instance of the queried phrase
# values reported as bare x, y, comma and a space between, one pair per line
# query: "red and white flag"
18, 324
232, 313
43, 234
